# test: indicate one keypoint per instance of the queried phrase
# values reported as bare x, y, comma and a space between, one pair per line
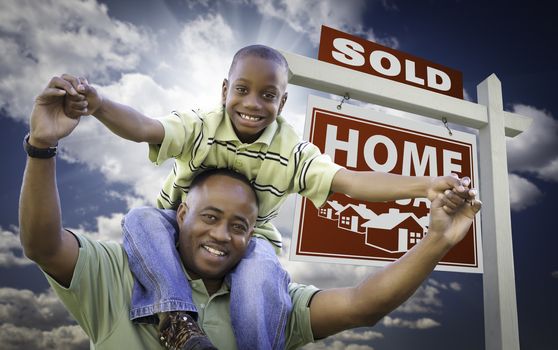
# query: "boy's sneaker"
179, 331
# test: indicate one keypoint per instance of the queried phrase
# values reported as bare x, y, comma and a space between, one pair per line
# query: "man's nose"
221, 233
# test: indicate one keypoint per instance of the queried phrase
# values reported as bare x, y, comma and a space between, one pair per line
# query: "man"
215, 225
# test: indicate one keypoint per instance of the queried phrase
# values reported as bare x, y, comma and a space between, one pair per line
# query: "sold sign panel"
350, 231
365, 56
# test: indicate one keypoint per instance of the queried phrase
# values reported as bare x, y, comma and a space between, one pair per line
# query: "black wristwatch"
35, 152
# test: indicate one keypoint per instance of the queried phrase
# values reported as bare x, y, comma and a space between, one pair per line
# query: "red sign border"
297, 236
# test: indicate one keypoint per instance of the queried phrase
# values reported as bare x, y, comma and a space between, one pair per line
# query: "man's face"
254, 95
215, 226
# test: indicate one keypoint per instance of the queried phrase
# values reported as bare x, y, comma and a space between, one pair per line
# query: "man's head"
255, 91
216, 223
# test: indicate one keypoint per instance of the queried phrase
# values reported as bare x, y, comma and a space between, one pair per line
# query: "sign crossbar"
327, 77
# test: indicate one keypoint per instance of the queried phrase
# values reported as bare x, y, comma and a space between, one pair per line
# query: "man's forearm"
391, 286
335, 310
39, 209
378, 186
128, 123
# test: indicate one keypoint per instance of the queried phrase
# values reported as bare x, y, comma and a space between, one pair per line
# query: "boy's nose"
251, 101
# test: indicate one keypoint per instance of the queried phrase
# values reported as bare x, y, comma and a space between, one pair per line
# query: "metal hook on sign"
445, 121
345, 98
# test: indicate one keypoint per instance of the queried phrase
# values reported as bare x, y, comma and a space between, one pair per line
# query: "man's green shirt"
99, 299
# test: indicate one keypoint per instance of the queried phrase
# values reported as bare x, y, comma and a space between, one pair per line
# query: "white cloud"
554, 274
352, 335
63, 338
24, 308
207, 46
455, 286
335, 345
523, 193
421, 323
46, 38
131, 201
117, 159
466, 96
346, 340
108, 228
535, 151
37, 321
193, 69
198, 67
11, 253
308, 16
325, 275
425, 300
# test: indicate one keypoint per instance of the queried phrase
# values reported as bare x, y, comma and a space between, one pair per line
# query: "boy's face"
254, 95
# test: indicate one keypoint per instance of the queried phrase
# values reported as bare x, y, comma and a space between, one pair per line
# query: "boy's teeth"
214, 251
245, 116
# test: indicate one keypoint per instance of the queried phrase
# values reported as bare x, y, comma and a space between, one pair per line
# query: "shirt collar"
226, 131
199, 286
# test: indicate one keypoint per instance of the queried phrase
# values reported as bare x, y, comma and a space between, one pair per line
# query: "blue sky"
162, 55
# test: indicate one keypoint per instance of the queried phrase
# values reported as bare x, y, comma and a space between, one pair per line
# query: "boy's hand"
452, 182
86, 102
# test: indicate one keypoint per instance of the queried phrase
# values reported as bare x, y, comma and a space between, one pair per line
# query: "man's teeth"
249, 117
214, 251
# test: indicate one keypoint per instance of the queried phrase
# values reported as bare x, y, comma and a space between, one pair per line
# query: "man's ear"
181, 213
283, 101
224, 90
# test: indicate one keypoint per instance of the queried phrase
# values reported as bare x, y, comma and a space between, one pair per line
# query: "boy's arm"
374, 186
122, 120
334, 310
41, 234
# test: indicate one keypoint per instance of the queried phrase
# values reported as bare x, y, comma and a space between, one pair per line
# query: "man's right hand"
86, 102
452, 214
49, 122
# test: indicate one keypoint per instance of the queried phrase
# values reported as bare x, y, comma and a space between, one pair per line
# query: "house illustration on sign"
330, 210
395, 232
353, 217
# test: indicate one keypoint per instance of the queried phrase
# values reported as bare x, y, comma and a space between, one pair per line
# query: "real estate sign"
345, 230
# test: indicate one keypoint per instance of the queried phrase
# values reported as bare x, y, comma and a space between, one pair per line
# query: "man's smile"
214, 250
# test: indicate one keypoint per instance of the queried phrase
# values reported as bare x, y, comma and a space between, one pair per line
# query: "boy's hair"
260, 51
202, 176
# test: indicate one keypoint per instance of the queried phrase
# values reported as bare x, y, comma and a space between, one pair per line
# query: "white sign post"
493, 123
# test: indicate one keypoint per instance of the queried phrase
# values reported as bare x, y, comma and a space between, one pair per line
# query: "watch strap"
35, 152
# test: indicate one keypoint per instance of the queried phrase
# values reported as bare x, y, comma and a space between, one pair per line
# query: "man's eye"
241, 90
238, 228
209, 217
269, 96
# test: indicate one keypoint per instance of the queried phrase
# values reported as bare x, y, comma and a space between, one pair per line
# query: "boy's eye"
269, 95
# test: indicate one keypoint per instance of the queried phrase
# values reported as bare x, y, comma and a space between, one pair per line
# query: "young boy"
246, 134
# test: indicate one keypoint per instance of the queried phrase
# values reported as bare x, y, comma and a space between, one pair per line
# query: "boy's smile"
254, 95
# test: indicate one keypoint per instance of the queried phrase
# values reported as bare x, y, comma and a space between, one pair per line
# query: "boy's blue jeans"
259, 302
